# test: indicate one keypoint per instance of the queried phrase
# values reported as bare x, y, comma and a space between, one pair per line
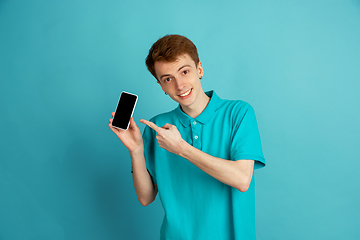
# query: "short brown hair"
169, 48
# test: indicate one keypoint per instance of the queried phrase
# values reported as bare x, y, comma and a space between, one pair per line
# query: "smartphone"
124, 110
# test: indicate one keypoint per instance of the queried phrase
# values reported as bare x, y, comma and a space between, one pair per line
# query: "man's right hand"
131, 138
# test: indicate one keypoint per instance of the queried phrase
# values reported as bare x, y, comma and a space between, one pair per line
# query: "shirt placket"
196, 134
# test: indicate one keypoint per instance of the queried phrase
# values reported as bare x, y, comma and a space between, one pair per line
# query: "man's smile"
185, 94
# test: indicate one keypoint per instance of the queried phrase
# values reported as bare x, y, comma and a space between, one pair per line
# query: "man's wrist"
184, 148
137, 152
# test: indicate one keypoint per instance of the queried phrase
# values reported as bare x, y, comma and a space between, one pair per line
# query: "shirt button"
194, 122
196, 137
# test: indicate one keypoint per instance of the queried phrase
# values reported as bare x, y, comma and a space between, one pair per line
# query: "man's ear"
159, 83
200, 70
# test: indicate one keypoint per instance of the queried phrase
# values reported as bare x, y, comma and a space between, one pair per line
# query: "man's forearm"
237, 174
144, 187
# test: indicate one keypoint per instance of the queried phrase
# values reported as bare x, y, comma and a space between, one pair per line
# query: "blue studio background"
63, 64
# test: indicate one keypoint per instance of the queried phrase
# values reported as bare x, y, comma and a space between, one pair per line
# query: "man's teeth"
185, 94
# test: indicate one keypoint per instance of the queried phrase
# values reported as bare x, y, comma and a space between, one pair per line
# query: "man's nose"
180, 83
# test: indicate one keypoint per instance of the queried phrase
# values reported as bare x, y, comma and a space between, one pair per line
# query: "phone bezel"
131, 111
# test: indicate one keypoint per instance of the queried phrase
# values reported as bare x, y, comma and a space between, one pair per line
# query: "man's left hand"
168, 137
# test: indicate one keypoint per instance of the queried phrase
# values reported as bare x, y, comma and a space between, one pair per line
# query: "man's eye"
167, 79
185, 72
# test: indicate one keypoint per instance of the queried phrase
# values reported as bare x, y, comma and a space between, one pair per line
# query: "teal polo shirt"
198, 206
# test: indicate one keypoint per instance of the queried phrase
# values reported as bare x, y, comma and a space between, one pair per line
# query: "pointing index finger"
151, 124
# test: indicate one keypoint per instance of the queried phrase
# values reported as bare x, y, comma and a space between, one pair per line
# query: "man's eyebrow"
165, 75
187, 65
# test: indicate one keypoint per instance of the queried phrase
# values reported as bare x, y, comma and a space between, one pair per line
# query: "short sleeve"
149, 151
245, 137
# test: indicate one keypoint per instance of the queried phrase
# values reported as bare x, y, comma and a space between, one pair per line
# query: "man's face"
180, 79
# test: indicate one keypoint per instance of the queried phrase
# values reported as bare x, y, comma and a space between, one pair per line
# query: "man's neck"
198, 108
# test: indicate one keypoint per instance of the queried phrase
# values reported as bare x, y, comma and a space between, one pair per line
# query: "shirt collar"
205, 116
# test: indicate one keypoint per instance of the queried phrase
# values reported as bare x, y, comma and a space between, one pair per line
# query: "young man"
200, 156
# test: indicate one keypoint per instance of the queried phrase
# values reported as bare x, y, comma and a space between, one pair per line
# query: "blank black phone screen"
124, 110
